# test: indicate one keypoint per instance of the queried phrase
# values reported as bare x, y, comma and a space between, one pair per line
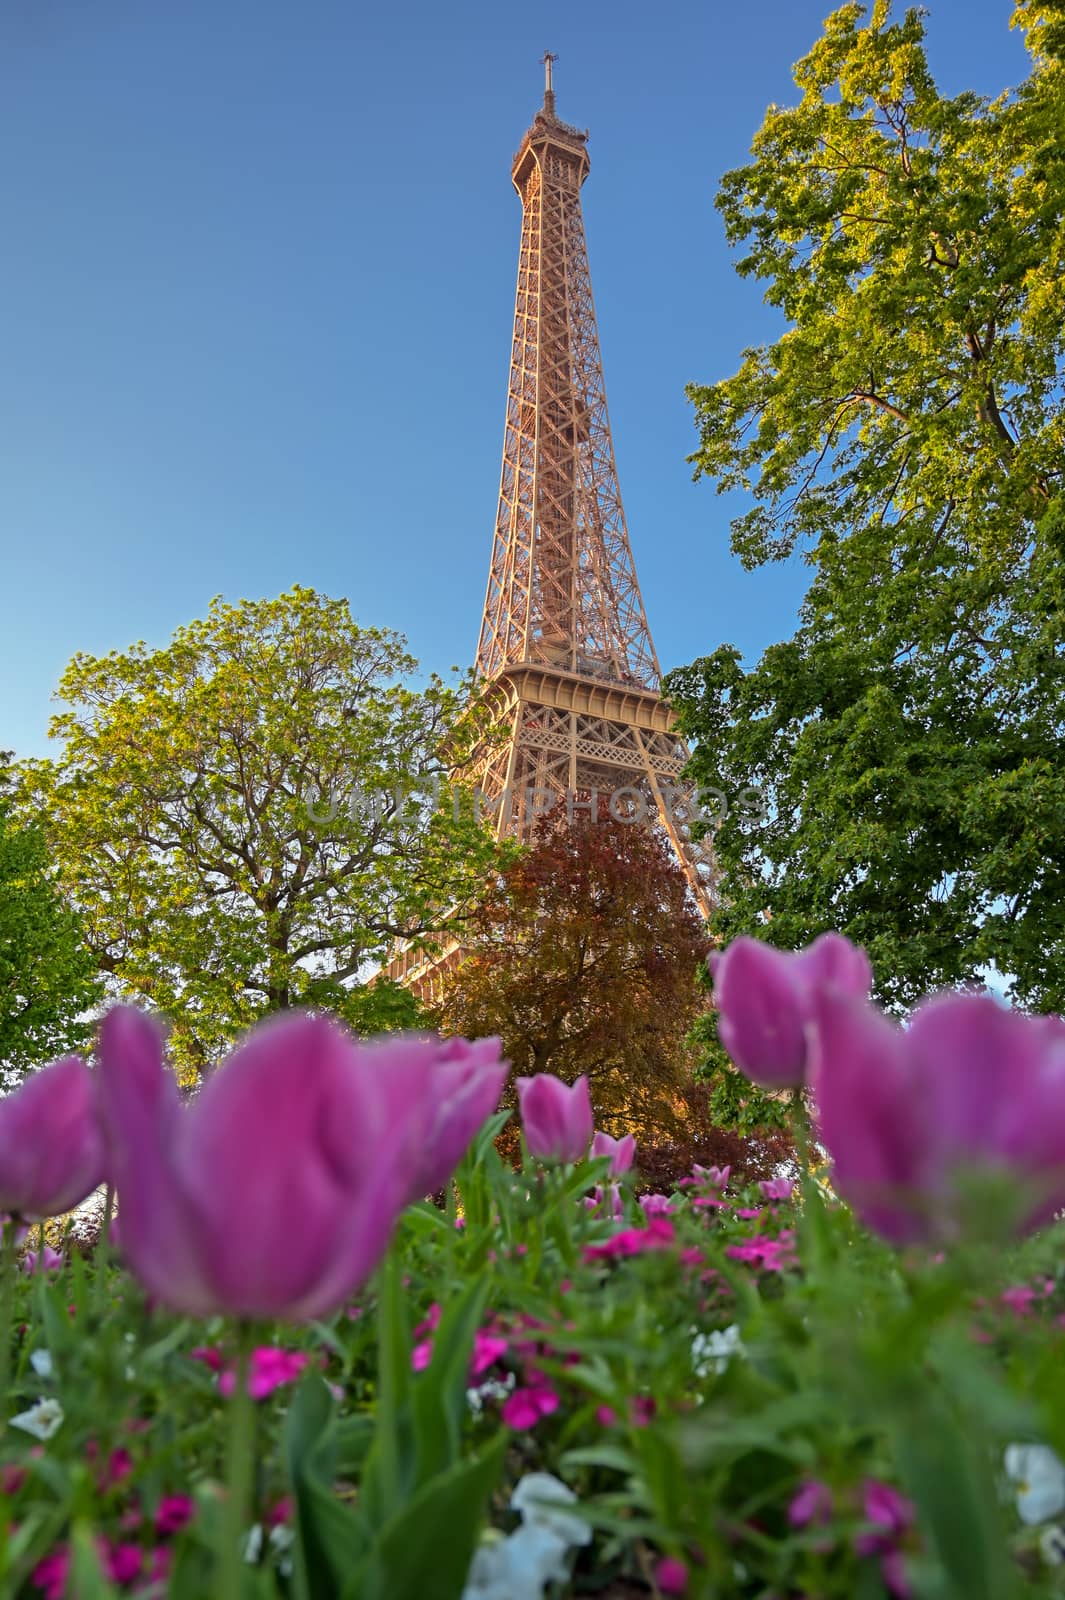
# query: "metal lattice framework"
565, 649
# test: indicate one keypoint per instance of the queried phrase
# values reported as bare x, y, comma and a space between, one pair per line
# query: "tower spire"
549, 88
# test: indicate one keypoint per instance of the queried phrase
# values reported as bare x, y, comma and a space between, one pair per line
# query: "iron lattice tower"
565, 652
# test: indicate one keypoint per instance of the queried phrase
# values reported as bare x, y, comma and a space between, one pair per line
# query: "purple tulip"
622, 1152
766, 999
458, 1085
51, 1147
912, 1116
556, 1117
275, 1193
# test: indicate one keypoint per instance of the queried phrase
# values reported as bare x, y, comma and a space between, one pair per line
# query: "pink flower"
910, 1115
671, 1576
772, 1255
717, 1176
622, 1152
777, 1188
608, 1200
300, 1122
122, 1561
488, 1348
812, 1502
431, 1321
766, 998
656, 1205
525, 1407
50, 1575
642, 1410
659, 1234
748, 1213
1018, 1299
892, 1515
606, 1416
556, 1117
268, 1369
51, 1148
210, 1355
174, 1513
51, 1263
887, 1508
421, 1355
456, 1083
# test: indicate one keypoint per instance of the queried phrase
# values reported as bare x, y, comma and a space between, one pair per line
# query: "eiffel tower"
565, 652
569, 674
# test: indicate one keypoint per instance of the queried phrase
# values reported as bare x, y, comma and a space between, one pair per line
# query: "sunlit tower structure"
565, 651
570, 676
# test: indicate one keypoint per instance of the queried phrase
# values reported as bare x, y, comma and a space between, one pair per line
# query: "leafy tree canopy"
246, 817
583, 959
905, 434
49, 980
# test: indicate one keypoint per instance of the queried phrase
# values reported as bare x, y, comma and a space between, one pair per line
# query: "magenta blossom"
622, 1152
777, 1188
525, 1407
656, 1205
457, 1083
556, 1117
812, 1502
912, 1116
268, 1369
51, 1148
275, 1193
766, 1000
52, 1261
659, 1234
717, 1177
671, 1576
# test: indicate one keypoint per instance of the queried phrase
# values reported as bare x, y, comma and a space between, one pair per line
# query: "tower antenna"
549, 88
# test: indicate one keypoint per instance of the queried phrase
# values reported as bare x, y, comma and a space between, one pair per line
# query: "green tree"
906, 435
49, 979
583, 958
248, 816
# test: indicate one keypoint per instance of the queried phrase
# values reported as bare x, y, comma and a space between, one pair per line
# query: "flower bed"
549, 1387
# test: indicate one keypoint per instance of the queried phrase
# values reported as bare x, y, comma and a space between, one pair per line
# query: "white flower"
538, 1496
1040, 1478
41, 1362
519, 1567
42, 1420
711, 1352
253, 1544
493, 1389
1052, 1545
534, 1555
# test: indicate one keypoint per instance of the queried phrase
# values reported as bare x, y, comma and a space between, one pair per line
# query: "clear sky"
257, 280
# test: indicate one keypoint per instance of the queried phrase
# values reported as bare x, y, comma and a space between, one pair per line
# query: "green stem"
240, 1469
102, 1255
8, 1269
801, 1128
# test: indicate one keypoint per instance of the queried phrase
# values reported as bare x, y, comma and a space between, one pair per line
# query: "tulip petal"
140, 1110
869, 1117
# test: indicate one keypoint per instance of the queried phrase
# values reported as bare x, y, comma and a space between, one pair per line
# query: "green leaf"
427, 1547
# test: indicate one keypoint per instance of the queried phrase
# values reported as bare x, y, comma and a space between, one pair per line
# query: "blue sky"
258, 278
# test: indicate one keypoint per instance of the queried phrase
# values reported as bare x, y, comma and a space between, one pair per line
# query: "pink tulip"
275, 1193
51, 1148
457, 1083
912, 1116
556, 1117
766, 998
622, 1152
52, 1261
